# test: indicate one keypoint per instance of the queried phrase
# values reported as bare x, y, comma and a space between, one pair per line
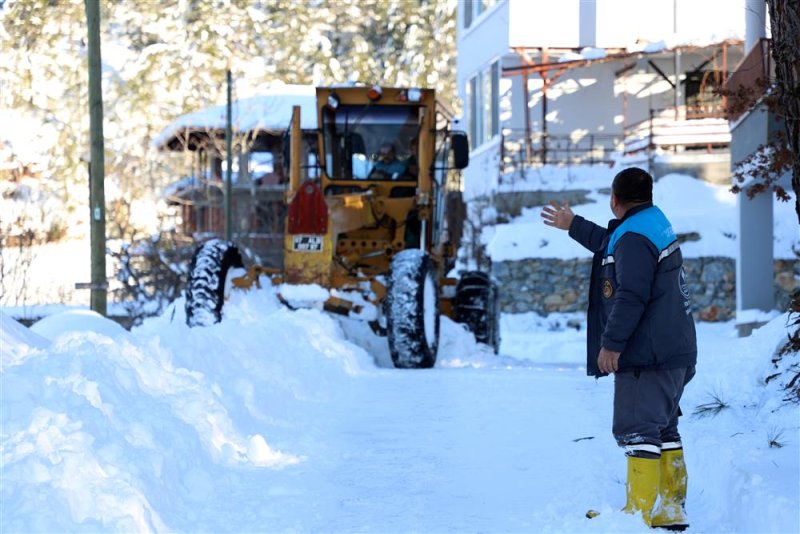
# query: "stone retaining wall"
552, 285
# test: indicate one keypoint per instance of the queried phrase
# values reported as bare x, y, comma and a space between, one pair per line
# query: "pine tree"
163, 59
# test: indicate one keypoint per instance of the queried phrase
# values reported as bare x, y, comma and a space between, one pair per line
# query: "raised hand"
558, 216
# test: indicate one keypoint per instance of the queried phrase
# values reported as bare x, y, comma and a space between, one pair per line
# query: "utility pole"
97, 199
677, 60
229, 155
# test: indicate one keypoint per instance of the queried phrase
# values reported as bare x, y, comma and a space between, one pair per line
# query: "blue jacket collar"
636, 209
613, 223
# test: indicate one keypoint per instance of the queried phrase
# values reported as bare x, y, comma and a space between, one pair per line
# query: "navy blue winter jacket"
639, 301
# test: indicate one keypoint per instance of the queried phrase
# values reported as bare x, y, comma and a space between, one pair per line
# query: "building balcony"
695, 127
750, 81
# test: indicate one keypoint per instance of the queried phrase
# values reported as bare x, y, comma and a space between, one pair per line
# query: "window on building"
702, 101
473, 8
495, 99
487, 105
472, 107
483, 105
484, 5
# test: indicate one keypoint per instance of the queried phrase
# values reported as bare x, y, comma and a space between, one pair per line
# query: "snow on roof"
271, 111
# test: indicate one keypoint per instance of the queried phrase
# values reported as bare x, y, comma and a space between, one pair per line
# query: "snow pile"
742, 437
102, 426
17, 341
693, 206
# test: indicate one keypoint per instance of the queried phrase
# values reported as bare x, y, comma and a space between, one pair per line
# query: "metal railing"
700, 126
518, 149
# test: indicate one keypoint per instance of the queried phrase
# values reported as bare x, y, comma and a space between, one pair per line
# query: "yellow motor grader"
381, 223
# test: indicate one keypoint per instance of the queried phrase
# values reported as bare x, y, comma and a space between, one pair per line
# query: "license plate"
307, 243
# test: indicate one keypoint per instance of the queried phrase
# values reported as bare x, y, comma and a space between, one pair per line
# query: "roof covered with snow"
269, 112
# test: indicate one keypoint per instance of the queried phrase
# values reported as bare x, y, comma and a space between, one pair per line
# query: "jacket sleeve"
587, 233
635, 264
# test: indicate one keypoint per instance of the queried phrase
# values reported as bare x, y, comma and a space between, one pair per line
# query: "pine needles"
775, 438
713, 407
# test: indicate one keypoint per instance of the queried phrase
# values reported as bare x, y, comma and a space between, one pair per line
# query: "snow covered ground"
276, 420
40, 276
692, 205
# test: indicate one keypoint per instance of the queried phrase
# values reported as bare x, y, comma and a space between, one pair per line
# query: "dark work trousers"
646, 409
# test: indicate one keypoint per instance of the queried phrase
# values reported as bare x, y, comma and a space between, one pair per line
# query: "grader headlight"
375, 93
333, 101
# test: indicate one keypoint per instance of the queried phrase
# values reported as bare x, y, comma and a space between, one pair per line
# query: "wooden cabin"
259, 169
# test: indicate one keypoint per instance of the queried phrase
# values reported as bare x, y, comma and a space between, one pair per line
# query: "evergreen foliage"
163, 59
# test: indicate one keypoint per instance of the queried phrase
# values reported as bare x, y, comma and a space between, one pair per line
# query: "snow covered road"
293, 421
446, 450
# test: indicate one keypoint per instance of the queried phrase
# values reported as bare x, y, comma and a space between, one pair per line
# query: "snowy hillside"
692, 205
276, 420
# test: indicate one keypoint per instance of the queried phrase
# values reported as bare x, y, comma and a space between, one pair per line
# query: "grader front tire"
412, 313
205, 290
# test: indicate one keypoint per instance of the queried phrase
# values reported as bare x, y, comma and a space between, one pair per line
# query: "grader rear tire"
477, 307
205, 290
412, 310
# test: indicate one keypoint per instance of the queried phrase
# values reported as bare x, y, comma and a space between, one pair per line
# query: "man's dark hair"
633, 185
388, 148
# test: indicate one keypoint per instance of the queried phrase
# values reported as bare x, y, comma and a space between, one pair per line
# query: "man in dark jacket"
640, 328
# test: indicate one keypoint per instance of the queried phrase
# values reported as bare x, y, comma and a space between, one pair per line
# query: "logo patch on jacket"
608, 289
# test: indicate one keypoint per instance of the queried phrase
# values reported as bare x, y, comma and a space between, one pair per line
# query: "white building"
571, 81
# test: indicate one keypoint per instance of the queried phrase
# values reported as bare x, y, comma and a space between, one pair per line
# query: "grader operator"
381, 223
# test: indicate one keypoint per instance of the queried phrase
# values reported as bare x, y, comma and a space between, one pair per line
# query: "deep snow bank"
98, 427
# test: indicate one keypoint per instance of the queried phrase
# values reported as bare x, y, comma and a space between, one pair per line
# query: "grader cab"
380, 223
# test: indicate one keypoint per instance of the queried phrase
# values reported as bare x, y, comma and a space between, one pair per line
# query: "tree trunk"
785, 21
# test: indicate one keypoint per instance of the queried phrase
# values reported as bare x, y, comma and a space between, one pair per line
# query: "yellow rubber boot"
642, 487
671, 513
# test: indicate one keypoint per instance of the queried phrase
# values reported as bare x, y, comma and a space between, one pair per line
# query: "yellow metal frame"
365, 229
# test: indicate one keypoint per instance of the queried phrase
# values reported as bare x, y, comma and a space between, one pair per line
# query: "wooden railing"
703, 126
750, 79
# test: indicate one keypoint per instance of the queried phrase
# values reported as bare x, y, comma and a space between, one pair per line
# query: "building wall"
549, 285
484, 41
590, 101
482, 175
580, 102
603, 23
621, 23
550, 24
594, 99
